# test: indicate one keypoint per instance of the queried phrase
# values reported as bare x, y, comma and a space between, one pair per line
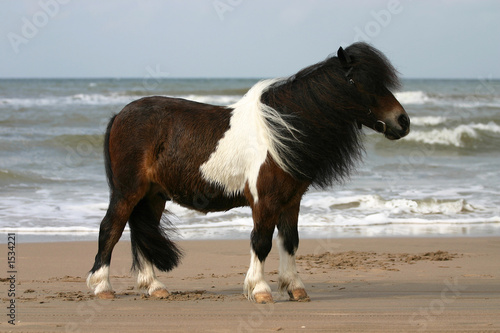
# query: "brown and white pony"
264, 151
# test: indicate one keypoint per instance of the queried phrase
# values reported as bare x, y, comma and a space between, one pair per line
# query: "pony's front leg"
255, 287
288, 243
289, 280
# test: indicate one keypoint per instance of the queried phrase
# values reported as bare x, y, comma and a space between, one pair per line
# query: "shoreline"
351, 233
388, 284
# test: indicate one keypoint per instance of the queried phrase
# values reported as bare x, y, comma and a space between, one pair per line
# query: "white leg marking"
289, 279
146, 278
99, 280
254, 280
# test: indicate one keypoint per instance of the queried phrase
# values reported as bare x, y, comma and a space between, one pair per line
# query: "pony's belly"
209, 201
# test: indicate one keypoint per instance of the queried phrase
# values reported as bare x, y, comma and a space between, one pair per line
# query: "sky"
243, 38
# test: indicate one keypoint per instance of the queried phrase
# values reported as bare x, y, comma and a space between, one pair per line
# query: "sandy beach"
370, 284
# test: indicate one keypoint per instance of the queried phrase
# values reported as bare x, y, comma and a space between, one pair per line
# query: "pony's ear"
344, 58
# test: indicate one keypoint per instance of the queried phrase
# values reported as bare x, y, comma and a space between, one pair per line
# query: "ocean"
443, 179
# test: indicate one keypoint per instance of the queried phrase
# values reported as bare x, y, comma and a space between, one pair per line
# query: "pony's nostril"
404, 121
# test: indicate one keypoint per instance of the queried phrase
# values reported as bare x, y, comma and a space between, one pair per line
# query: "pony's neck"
326, 140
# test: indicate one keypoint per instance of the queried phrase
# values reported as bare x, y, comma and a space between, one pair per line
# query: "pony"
264, 151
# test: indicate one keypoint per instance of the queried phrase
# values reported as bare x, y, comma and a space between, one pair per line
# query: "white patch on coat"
244, 147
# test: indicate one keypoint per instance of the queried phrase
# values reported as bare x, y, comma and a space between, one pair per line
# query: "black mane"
323, 108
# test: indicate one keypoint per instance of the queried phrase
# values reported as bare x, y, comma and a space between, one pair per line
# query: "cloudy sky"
243, 38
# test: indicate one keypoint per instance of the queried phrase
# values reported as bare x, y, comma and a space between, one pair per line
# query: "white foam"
329, 206
344, 213
78, 99
473, 103
452, 137
489, 127
99, 99
418, 97
412, 97
50, 230
433, 206
427, 121
106, 99
213, 99
448, 137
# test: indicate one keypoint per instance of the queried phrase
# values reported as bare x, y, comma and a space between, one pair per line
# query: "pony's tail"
107, 158
150, 240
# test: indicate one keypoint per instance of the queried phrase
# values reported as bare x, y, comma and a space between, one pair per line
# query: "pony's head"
372, 77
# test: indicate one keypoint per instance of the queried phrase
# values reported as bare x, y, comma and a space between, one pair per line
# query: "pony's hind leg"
288, 243
147, 280
151, 245
110, 232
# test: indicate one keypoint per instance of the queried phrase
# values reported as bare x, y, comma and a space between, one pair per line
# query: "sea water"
443, 179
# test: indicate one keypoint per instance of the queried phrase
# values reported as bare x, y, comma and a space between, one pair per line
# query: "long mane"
317, 137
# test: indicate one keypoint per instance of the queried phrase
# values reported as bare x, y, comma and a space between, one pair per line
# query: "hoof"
299, 295
263, 298
106, 295
160, 293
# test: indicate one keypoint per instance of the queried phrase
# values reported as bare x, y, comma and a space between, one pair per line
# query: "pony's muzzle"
396, 128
